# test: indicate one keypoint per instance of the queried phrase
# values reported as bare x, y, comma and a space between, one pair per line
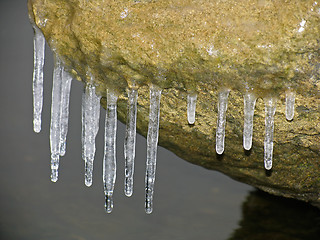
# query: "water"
32, 207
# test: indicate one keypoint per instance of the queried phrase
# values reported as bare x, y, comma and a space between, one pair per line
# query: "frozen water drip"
152, 144
109, 160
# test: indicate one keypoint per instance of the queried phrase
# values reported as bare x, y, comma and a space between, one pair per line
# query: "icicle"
270, 109
191, 108
55, 127
38, 58
65, 96
222, 109
90, 127
290, 100
152, 143
249, 104
109, 160
130, 141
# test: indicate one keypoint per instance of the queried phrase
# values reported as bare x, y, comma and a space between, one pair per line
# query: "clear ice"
290, 100
65, 96
191, 108
152, 143
130, 141
37, 85
90, 127
270, 109
109, 160
55, 126
222, 109
249, 104
59, 115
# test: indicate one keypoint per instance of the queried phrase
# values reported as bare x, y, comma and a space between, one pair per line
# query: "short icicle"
37, 85
290, 100
130, 141
65, 96
221, 123
249, 104
55, 126
191, 107
270, 109
90, 127
152, 143
109, 160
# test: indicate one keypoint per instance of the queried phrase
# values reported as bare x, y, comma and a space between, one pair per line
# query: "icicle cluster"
59, 115
90, 125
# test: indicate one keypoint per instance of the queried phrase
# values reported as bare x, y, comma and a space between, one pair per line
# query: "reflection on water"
190, 202
270, 217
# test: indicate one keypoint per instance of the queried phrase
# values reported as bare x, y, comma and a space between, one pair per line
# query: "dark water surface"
190, 202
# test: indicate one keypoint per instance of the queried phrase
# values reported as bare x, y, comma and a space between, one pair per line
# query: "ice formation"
270, 109
66, 79
191, 107
90, 127
249, 104
59, 115
290, 100
37, 86
152, 143
130, 141
109, 159
221, 123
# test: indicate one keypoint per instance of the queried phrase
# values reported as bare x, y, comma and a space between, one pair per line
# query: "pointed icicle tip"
108, 203
54, 167
221, 122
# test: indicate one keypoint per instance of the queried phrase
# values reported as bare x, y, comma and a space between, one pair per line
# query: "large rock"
203, 46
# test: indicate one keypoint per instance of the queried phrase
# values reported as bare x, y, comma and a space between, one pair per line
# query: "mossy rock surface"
186, 46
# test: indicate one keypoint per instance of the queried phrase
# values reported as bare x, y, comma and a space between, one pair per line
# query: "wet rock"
266, 47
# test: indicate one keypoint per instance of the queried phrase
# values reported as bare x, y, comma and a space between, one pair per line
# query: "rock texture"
184, 46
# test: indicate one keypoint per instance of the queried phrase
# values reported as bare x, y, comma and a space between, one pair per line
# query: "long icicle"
290, 100
130, 141
270, 109
37, 85
109, 160
249, 104
90, 127
221, 123
55, 126
65, 96
191, 107
152, 143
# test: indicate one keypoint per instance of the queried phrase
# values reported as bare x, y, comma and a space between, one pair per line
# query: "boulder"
263, 47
